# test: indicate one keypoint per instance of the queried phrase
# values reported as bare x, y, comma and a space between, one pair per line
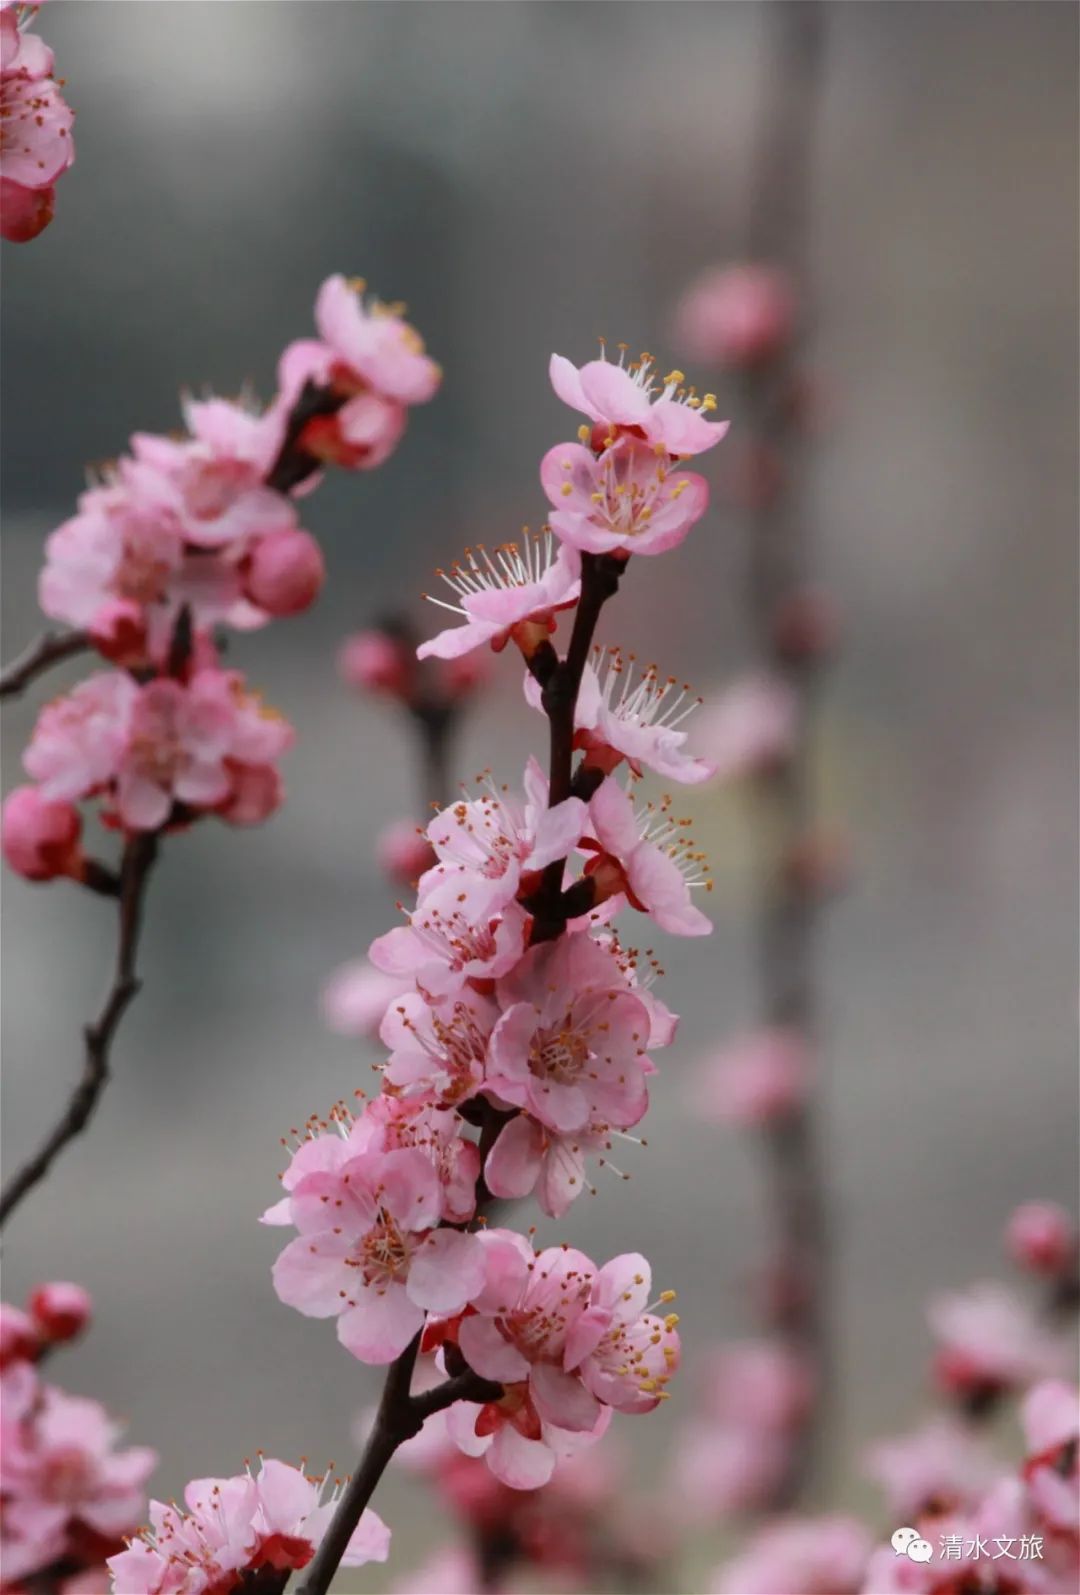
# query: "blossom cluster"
236, 1528
68, 1495
37, 143
180, 538
506, 1002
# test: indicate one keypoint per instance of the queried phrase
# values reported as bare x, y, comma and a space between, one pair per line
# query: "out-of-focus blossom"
736, 316
1042, 1238
233, 1529
450, 1571
61, 1310
285, 572
989, 1342
938, 1467
357, 995
750, 728
757, 1078
41, 837
513, 594
403, 852
1050, 1416
37, 144
799, 1556
375, 661
806, 625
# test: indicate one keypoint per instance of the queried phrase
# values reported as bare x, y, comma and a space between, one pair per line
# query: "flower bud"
377, 662
41, 837
257, 792
1041, 1237
60, 1310
737, 316
286, 572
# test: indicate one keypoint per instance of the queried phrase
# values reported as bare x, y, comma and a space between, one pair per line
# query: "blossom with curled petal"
513, 593
631, 398
647, 855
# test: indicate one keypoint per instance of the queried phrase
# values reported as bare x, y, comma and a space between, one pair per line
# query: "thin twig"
778, 233
140, 852
400, 1417
50, 649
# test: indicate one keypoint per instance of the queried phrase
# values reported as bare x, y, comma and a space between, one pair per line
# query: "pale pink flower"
369, 1252
501, 838
115, 548
514, 594
356, 996
633, 398
375, 345
736, 315
648, 856
570, 1045
627, 500
799, 1556
41, 838
750, 728
757, 1078
438, 1054
1042, 1237
461, 930
938, 1467
990, 1341
61, 1310
80, 739
37, 144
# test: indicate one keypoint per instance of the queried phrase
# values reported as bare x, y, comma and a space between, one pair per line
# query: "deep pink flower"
627, 500
461, 930
736, 315
41, 838
515, 594
20, 1337
648, 857
633, 398
369, 1252
757, 1078
1042, 1237
570, 1044
61, 1310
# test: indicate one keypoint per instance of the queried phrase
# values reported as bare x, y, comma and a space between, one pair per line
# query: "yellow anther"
668, 1295
584, 433
675, 376
671, 1320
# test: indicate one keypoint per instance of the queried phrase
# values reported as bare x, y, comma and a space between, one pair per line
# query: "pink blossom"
374, 344
37, 145
939, 1466
461, 930
403, 852
514, 595
647, 856
438, 1054
529, 1158
625, 501
1050, 1415
61, 1310
235, 1527
20, 1337
388, 1124
624, 1354
989, 1341
501, 839
375, 661
736, 315
632, 398
285, 572
1041, 1237
370, 1255
80, 739
757, 1078
569, 1047
799, 1556
41, 837
750, 728
356, 996
359, 431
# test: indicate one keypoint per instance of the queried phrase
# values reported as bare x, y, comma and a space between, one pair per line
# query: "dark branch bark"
140, 853
49, 650
399, 1418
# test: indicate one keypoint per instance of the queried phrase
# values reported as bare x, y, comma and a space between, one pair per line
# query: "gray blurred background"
528, 176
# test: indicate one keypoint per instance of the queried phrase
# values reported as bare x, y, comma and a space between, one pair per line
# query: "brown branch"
49, 650
779, 558
140, 852
400, 1417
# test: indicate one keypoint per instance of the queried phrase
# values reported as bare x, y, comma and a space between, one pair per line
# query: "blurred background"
527, 177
